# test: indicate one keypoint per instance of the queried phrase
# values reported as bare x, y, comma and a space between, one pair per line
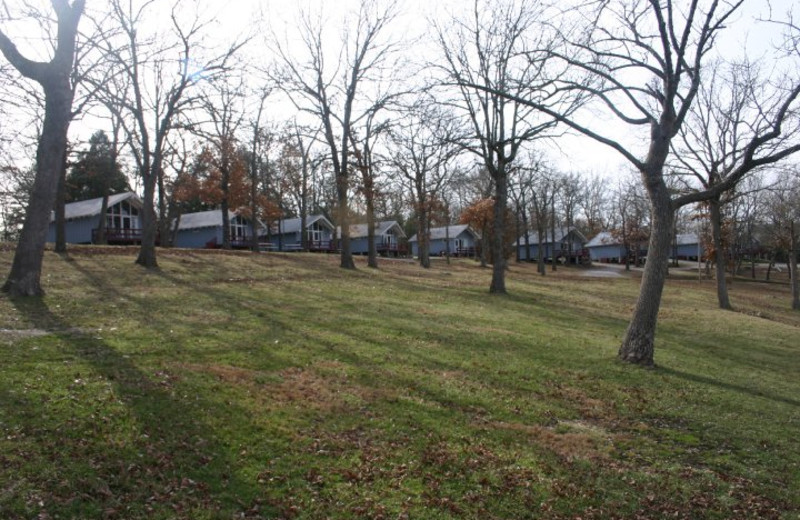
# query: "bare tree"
783, 223
484, 58
669, 45
734, 109
593, 203
421, 150
55, 80
223, 101
151, 90
330, 87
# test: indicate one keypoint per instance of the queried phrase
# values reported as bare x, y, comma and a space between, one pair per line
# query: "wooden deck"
119, 236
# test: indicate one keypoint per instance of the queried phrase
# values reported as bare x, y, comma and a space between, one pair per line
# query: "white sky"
256, 17
744, 34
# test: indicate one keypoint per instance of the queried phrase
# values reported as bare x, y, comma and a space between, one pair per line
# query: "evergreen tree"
96, 171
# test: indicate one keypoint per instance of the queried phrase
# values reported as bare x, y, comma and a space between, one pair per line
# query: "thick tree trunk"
716, 232
553, 234
498, 285
26, 269
226, 223
372, 250
483, 242
540, 264
447, 241
254, 220
101, 225
423, 237
793, 269
147, 251
60, 213
346, 261
517, 252
639, 342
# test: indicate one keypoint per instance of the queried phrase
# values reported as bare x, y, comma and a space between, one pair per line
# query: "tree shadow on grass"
703, 380
171, 462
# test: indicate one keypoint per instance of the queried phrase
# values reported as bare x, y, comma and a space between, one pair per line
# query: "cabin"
605, 248
82, 220
569, 245
686, 246
286, 235
390, 239
203, 229
463, 241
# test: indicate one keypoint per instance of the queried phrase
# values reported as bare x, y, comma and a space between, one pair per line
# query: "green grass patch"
280, 386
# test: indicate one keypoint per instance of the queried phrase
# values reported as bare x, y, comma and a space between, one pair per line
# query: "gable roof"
381, 228
292, 225
441, 233
603, 238
202, 219
561, 234
92, 207
686, 239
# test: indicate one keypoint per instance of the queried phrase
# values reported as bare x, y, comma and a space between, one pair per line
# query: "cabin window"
122, 216
314, 232
459, 243
238, 228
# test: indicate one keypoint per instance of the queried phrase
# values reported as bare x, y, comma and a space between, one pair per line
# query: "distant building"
286, 235
390, 239
569, 245
82, 220
203, 229
604, 247
463, 241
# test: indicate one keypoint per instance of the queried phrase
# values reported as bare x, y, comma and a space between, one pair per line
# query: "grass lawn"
280, 386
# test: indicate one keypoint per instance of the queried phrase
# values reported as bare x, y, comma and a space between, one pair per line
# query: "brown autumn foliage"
480, 216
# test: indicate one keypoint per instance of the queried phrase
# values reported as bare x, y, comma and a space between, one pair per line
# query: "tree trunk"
498, 285
553, 234
372, 250
423, 236
527, 236
147, 251
25, 276
517, 252
639, 342
716, 232
101, 225
163, 220
793, 269
226, 223
60, 213
541, 230
484, 235
346, 261
24, 279
254, 217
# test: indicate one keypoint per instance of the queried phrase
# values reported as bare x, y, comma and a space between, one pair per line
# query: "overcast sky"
260, 17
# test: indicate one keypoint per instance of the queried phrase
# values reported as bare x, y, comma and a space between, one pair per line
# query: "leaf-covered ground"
280, 386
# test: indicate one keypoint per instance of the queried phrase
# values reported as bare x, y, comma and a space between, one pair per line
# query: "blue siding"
198, 237
439, 246
360, 246
686, 251
614, 251
77, 231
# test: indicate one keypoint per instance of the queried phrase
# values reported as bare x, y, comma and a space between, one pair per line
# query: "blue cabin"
463, 241
606, 248
569, 245
286, 235
82, 220
686, 246
390, 239
204, 230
